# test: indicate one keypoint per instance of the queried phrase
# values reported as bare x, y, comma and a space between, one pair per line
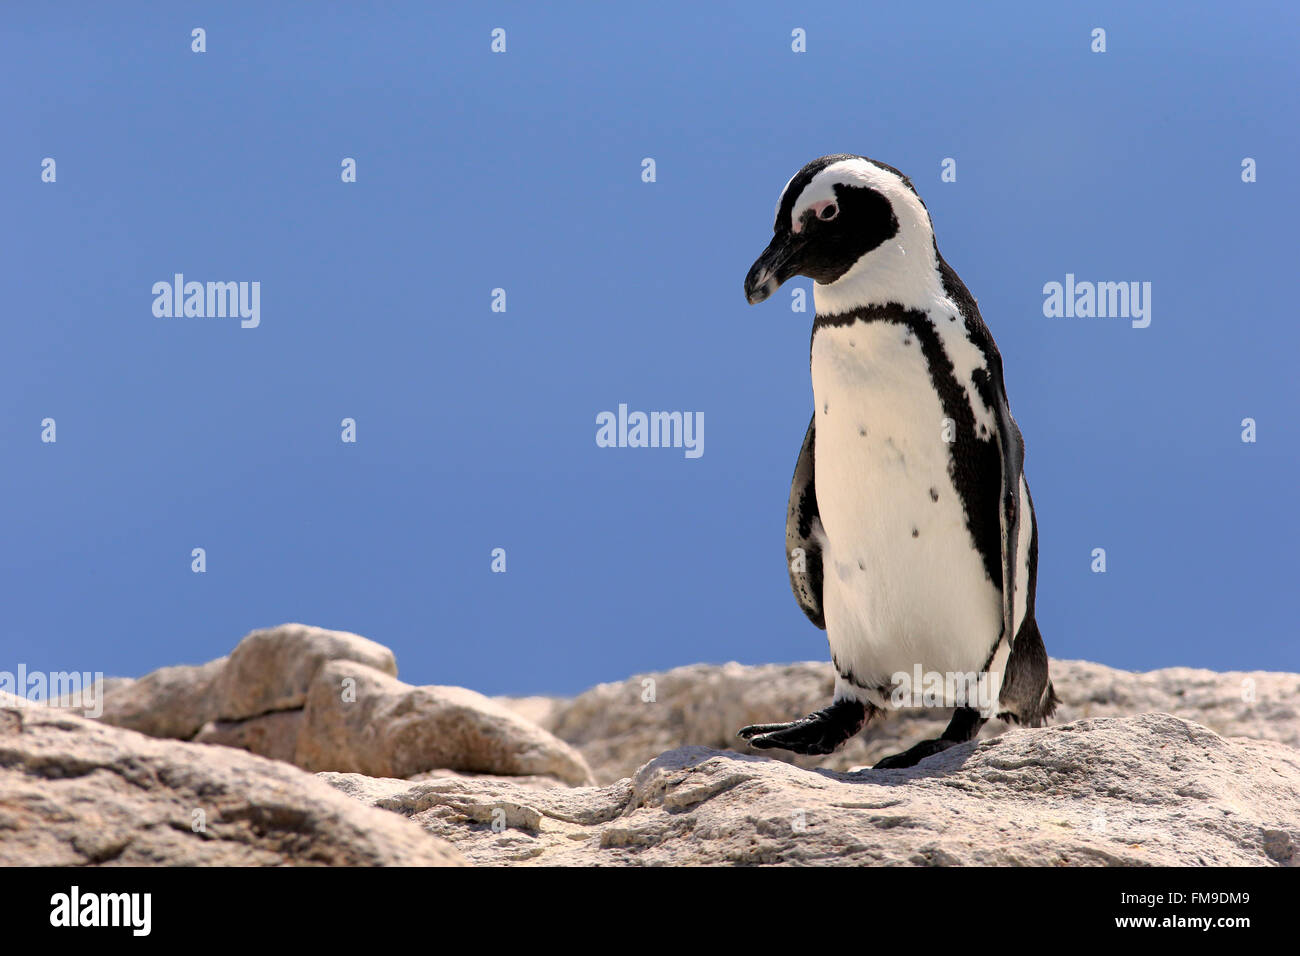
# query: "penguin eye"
828, 212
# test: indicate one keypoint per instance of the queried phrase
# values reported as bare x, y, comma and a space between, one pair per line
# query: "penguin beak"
779, 261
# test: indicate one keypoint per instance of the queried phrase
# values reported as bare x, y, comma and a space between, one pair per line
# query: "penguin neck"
935, 305
901, 272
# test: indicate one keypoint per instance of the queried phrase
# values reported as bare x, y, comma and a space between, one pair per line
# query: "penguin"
910, 532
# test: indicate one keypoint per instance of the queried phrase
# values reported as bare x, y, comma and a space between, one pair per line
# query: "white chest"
903, 585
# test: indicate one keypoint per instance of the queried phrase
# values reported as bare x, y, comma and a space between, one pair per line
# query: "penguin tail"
1035, 716
1047, 706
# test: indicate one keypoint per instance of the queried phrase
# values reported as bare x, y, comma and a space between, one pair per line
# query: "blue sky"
476, 429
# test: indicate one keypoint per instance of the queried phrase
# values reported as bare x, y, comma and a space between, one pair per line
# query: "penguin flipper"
1011, 447
803, 553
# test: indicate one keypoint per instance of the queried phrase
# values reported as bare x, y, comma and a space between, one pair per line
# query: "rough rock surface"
272, 669
620, 726
391, 729
272, 735
170, 702
509, 780
1146, 790
75, 791
279, 694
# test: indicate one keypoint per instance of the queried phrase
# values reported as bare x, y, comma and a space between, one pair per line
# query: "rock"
500, 821
273, 735
532, 782
75, 791
170, 702
391, 729
1259, 704
1147, 790
258, 700
97, 691
498, 780
540, 710
268, 671
619, 726
618, 730
271, 669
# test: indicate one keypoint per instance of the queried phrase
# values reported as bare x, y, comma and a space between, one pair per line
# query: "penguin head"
857, 228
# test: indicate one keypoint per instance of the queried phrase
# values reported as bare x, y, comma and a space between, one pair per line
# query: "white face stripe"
781, 198
859, 172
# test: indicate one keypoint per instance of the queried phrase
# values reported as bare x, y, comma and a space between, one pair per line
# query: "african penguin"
910, 534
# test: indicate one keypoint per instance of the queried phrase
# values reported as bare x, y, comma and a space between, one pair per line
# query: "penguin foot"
818, 733
915, 754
